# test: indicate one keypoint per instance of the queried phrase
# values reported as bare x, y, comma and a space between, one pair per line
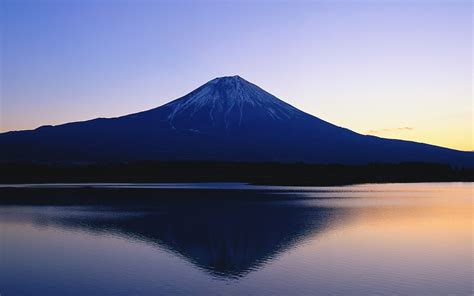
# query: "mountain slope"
226, 119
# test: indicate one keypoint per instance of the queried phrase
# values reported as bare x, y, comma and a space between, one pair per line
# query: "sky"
396, 69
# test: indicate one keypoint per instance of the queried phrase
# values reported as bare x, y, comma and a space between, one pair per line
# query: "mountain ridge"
226, 119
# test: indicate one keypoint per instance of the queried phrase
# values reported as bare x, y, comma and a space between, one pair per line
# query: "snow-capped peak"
229, 101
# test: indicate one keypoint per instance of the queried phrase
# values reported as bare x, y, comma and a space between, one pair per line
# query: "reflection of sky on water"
383, 241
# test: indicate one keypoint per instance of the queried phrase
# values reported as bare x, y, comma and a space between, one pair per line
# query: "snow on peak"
229, 101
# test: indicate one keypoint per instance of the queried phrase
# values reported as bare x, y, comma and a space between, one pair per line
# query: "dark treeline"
257, 173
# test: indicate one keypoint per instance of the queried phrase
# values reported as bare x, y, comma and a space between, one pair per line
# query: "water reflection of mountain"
227, 238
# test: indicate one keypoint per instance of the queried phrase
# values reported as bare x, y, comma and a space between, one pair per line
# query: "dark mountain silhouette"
225, 237
226, 119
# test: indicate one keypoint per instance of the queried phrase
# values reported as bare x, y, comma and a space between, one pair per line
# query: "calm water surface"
236, 239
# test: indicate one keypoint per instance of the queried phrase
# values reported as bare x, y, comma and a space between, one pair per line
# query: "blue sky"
398, 69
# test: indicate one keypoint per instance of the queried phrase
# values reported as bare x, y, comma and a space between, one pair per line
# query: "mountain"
226, 119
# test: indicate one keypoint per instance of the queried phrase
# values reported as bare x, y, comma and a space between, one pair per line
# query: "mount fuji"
227, 119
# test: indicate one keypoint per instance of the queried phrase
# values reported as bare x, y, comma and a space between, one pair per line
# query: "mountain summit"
226, 119
227, 103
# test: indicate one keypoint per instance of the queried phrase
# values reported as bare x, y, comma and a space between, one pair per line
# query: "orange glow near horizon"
394, 69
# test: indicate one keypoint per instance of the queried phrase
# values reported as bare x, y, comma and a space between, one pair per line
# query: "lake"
236, 239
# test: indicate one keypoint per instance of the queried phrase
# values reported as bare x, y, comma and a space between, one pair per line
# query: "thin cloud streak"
389, 130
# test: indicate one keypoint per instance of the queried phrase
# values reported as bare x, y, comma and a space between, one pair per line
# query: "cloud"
390, 130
